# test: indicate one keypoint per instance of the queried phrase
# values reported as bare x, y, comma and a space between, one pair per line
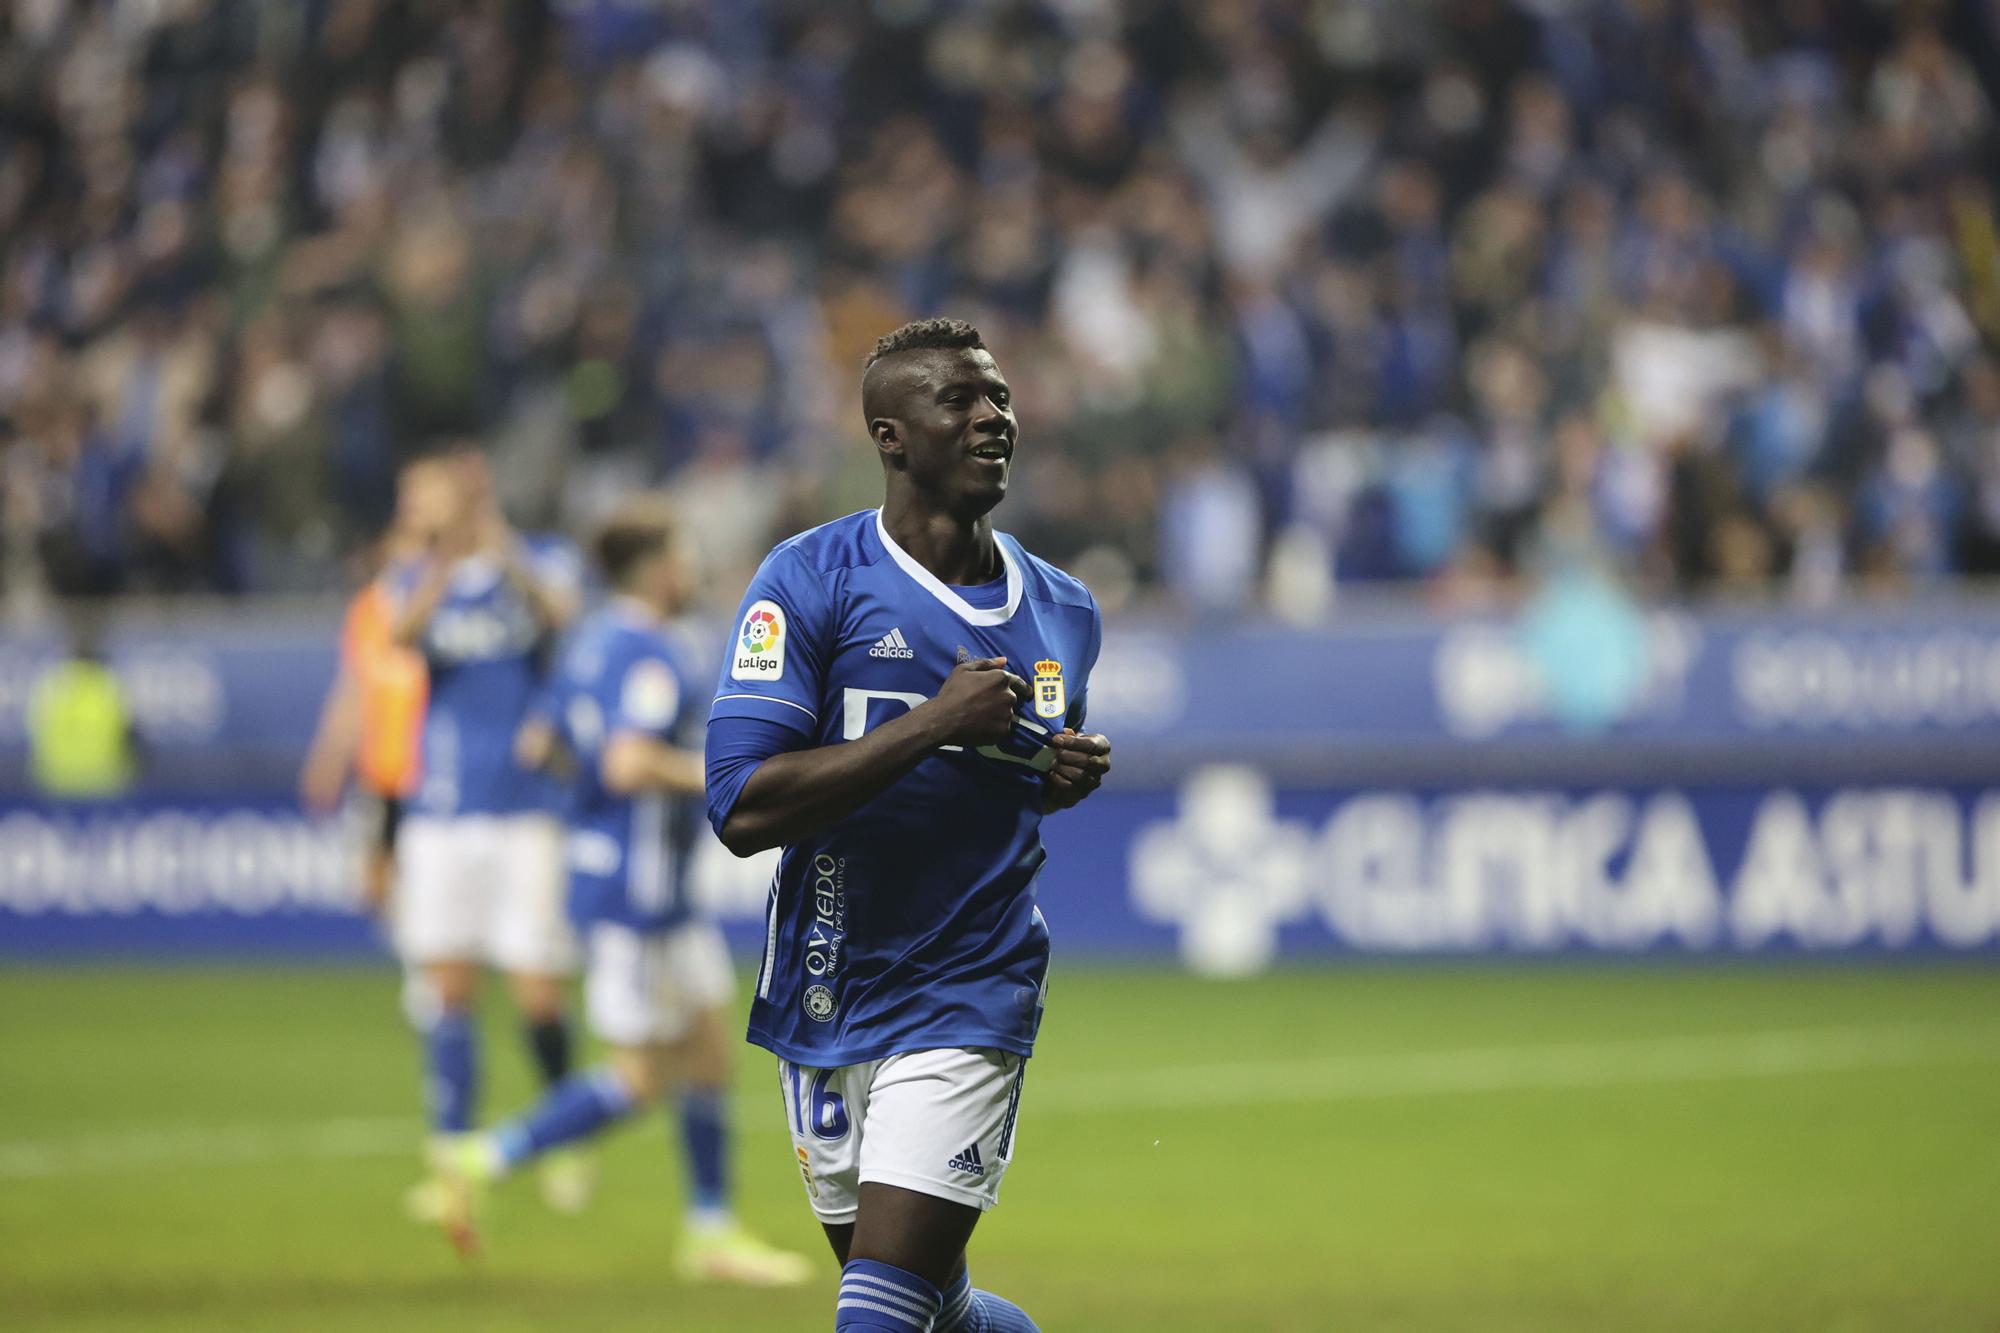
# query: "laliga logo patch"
819, 1003
760, 648
1050, 700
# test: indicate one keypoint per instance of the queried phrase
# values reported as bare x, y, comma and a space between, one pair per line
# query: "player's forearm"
415, 616
796, 794
634, 764
335, 744
550, 608
338, 737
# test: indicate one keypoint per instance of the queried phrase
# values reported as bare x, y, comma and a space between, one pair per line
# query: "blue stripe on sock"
897, 1296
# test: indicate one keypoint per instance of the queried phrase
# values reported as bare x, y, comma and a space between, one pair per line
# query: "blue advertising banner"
1225, 871
1582, 776
1235, 875
229, 702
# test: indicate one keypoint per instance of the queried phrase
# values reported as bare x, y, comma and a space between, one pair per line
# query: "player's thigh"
665, 987
703, 1055
840, 1238
824, 1111
697, 983
917, 1232
440, 906
622, 987
528, 927
643, 1069
941, 1123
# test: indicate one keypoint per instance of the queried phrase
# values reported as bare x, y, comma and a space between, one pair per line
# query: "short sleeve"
782, 639
648, 698
557, 566
399, 583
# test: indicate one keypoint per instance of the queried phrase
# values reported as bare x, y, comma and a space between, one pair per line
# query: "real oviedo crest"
759, 650
1050, 700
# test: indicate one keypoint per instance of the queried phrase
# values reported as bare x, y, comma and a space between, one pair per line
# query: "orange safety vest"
394, 688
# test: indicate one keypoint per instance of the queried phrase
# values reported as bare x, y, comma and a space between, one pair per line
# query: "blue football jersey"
628, 855
487, 656
911, 924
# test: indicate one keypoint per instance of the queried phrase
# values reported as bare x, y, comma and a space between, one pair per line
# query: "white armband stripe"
767, 699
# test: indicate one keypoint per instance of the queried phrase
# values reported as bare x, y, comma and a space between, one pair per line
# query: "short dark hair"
926, 335
637, 530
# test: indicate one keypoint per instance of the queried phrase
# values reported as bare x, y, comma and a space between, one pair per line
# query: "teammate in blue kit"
901, 705
658, 977
479, 856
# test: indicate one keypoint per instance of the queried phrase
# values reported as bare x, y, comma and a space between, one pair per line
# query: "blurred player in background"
479, 856
628, 721
868, 721
372, 720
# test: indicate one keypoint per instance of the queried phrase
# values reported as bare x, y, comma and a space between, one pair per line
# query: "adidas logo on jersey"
893, 644
968, 1160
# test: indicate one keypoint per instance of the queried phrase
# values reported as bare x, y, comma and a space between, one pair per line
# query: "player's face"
959, 431
427, 501
669, 576
475, 478
683, 572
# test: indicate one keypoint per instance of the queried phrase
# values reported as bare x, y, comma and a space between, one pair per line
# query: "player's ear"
888, 435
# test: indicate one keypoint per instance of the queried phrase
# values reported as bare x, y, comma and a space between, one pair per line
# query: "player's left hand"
1082, 760
535, 744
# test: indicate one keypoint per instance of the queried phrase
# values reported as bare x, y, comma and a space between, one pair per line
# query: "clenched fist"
1082, 761
976, 704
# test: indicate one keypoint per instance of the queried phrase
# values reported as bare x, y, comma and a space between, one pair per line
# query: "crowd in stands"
1294, 294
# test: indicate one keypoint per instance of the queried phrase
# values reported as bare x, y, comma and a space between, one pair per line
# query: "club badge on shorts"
1050, 701
806, 1170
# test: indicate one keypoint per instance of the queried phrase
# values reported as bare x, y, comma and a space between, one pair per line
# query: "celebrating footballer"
901, 704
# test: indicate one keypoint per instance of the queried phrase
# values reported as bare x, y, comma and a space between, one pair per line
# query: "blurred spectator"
83, 745
1712, 286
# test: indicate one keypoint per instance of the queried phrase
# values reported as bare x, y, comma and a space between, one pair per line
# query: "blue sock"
958, 1314
705, 1140
451, 1064
548, 1042
967, 1310
881, 1298
573, 1109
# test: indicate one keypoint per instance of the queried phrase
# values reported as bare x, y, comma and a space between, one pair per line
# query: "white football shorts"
484, 888
645, 987
937, 1122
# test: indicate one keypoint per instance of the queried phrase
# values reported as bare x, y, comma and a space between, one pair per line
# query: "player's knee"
450, 987
704, 1052
643, 1072
539, 998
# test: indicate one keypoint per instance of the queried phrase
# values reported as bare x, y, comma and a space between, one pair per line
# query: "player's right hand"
978, 700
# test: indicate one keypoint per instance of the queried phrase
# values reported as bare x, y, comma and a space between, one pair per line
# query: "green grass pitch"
1369, 1147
